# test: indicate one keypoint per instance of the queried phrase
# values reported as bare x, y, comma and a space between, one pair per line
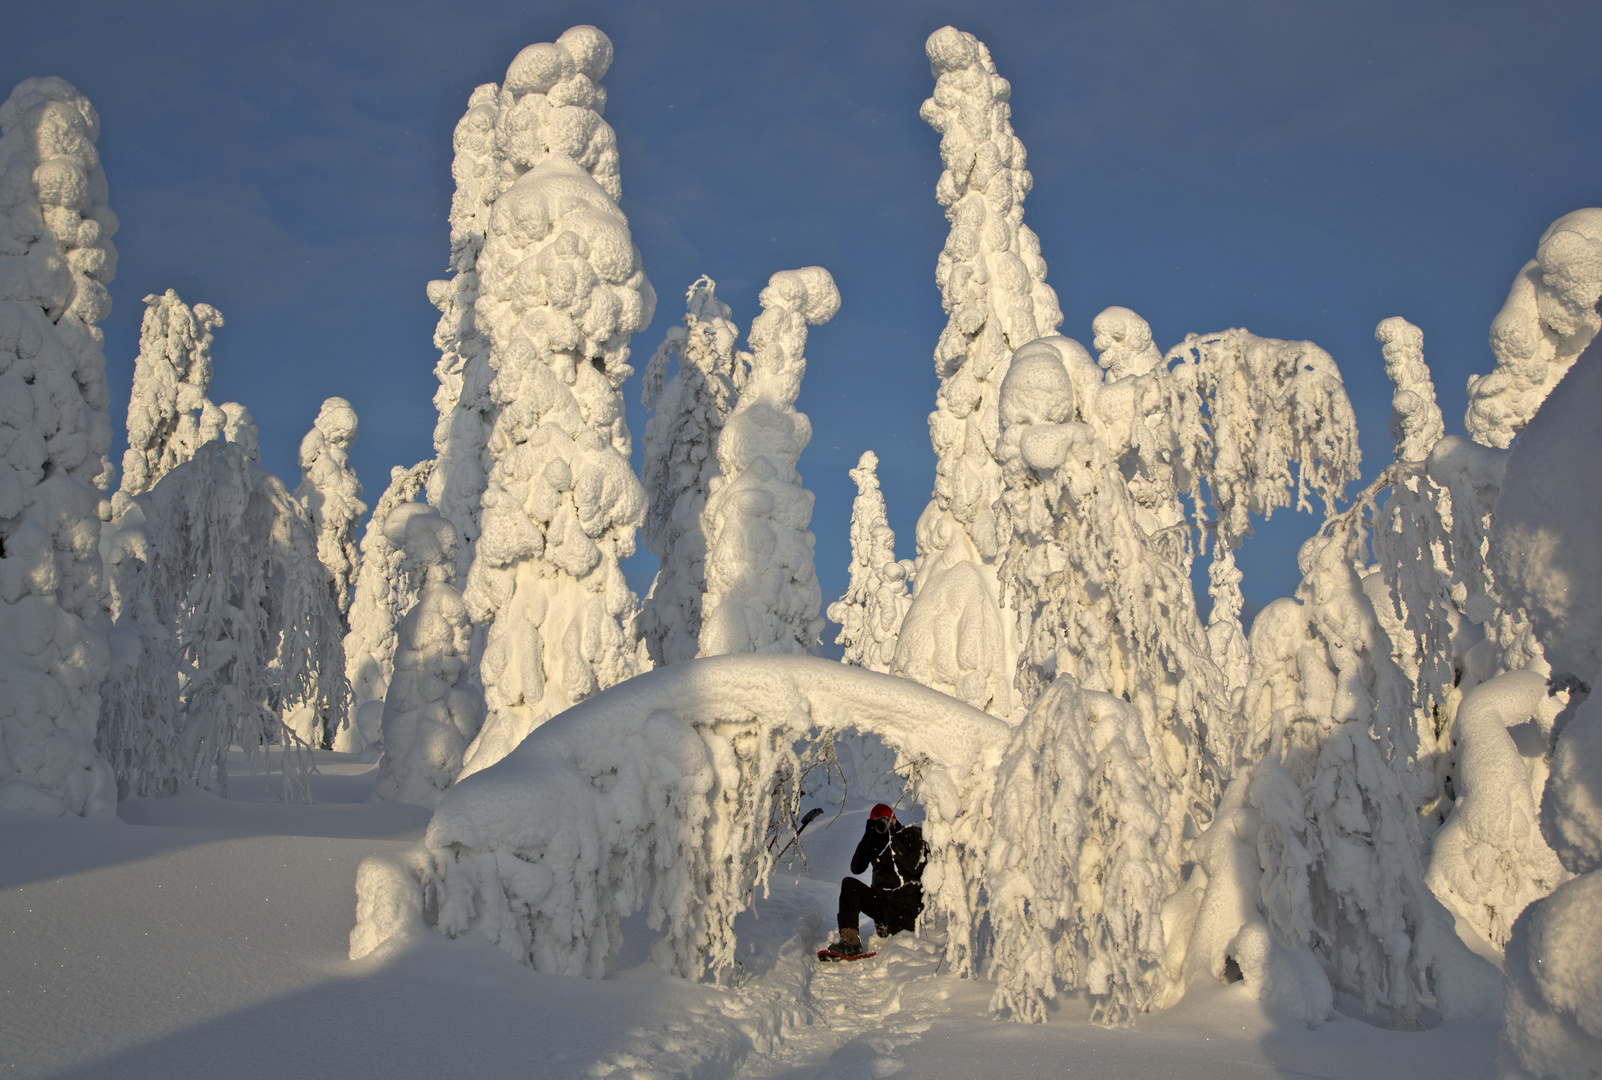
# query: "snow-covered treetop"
876, 598
1549, 318
1123, 343
1416, 423
172, 374
331, 494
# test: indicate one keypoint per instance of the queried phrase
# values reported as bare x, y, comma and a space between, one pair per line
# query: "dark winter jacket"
898, 855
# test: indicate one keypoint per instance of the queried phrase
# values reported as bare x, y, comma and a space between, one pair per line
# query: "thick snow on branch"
169, 416
240, 610
681, 463
331, 494
656, 795
433, 708
385, 591
876, 598
55, 258
1548, 319
560, 292
762, 592
549, 104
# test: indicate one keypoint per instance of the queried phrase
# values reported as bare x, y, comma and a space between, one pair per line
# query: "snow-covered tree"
1079, 867
55, 258
385, 591
432, 709
681, 462
993, 287
550, 103
876, 598
560, 292
762, 592
331, 495
168, 407
1548, 319
232, 581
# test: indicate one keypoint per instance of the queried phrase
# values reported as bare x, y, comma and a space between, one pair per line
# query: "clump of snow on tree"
385, 591
331, 494
1548, 319
56, 257
432, 709
876, 598
762, 591
560, 292
169, 415
681, 462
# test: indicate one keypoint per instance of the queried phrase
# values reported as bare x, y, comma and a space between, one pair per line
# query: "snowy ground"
203, 937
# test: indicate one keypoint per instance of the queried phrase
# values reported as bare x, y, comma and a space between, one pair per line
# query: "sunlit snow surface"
203, 937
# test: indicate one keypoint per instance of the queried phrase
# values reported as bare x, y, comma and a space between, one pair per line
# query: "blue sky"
1300, 169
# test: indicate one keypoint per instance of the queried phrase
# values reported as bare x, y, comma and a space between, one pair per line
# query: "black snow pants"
893, 910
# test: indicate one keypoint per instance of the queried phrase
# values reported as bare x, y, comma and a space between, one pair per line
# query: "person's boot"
850, 943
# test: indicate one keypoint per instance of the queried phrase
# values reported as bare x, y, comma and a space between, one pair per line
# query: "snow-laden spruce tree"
993, 287
331, 495
876, 598
1548, 319
385, 591
1098, 603
1336, 831
560, 292
433, 708
55, 258
1081, 858
550, 103
168, 408
681, 462
238, 607
762, 591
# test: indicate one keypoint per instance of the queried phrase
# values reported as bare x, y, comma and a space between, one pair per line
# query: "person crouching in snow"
895, 898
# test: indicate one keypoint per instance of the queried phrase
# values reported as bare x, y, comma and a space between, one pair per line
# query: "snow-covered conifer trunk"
55, 258
560, 292
762, 592
876, 598
1096, 600
433, 708
681, 463
384, 593
993, 287
1079, 866
1548, 319
331, 494
551, 103
1337, 832
232, 580
168, 408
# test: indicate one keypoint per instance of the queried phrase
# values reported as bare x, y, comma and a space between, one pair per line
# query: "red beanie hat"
882, 810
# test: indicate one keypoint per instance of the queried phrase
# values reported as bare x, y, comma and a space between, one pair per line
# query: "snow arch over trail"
658, 793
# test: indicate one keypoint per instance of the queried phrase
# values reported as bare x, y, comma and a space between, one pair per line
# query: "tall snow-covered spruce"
681, 462
876, 598
559, 292
993, 287
762, 591
56, 257
331, 495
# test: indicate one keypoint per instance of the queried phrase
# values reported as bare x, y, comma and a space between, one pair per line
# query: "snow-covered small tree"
681, 462
762, 591
331, 494
993, 287
432, 709
876, 598
385, 591
233, 583
1548, 319
1079, 865
550, 103
172, 374
55, 258
560, 291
